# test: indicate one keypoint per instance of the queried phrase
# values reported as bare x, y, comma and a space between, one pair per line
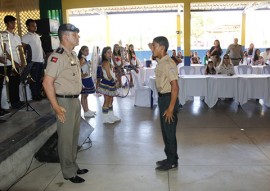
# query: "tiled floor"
226, 148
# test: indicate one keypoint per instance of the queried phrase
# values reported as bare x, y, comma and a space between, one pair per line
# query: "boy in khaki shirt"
167, 86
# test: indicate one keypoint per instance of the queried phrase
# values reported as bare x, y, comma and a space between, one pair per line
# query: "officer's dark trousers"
36, 73
169, 130
68, 135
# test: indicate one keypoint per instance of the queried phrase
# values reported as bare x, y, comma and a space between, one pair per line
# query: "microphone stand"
25, 81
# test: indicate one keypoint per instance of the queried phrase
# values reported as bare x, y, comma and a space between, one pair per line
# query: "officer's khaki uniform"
166, 71
235, 53
64, 66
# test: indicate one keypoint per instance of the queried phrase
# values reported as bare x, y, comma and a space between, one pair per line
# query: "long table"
239, 87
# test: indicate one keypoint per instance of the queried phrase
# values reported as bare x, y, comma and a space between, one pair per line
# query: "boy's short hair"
163, 41
9, 18
28, 21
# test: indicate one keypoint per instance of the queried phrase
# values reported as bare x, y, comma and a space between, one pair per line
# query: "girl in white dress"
88, 85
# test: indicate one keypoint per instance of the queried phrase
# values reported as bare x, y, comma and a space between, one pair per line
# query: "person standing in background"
88, 85
3, 112
14, 77
215, 53
107, 87
36, 72
132, 61
235, 52
118, 64
167, 86
63, 84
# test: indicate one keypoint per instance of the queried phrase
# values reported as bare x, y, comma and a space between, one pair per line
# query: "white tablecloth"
198, 84
211, 87
254, 87
221, 86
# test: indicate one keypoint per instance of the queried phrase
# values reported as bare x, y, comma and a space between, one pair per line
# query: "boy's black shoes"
166, 167
161, 162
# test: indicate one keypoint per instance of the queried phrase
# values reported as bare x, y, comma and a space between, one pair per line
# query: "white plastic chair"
202, 70
266, 69
245, 69
187, 70
142, 93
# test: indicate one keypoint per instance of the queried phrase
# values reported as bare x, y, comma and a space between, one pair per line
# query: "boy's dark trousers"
169, 130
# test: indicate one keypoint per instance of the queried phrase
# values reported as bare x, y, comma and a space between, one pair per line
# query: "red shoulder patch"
54, 59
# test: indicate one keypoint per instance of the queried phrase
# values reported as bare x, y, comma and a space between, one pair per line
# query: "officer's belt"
67, 96
164, 95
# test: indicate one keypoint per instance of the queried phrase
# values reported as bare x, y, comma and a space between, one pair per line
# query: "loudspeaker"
47, 26
49, 153
49, 43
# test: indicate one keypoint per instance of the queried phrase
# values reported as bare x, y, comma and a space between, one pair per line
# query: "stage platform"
23, 127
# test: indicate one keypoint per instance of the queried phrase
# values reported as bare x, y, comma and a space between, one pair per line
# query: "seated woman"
258, 60
226, 67
175, 58
245, 60
210, 69
195, 59
179, 55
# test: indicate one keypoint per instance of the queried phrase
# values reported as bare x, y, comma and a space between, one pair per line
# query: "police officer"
235, 52
62, 83
167, 86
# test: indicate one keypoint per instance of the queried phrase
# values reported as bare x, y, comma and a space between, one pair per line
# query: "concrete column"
187, 34
178, 32
243, 30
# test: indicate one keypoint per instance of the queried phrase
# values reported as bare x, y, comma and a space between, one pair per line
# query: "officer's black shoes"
82, 171
161, 162
166, 167
76, 179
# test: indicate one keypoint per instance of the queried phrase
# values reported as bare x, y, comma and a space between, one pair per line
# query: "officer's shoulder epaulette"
59, 50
